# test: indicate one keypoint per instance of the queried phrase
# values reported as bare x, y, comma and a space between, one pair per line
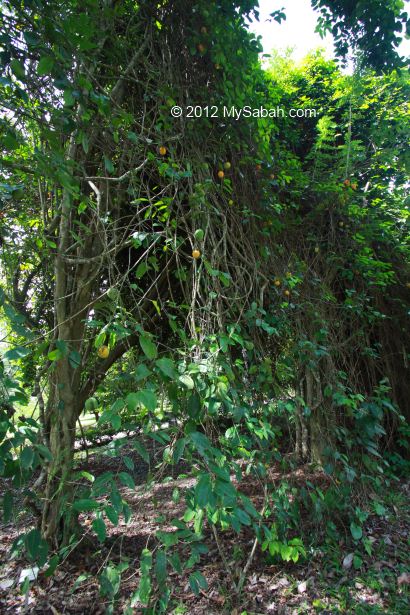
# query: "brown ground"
281, 588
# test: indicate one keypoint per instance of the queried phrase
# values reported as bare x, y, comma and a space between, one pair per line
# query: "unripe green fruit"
199, 234
113, 294
91, 404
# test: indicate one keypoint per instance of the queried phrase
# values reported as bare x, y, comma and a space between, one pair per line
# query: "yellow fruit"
288, 274
230, 202
162, 150
201, 48
196, 254
287, 293
272, 175
103, 352
258, 167
277, 282
341, 223
221, 174
227, 166
204, 30
317, 250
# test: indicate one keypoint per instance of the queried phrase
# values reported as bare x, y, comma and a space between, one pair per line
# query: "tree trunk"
58, 522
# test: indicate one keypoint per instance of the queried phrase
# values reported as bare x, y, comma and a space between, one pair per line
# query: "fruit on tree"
103, 352
221, 174
196, 254
162, 150
227, 166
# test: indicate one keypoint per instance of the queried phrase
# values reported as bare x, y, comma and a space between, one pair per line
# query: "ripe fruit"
277, 282
227, 166
218, 66
346, 182
288, 274
286, 293
162, 150
201, 48
196, 254
103, 352
204, 30
230, 202
341, 223
317, 249
258, 167
221, 174
272, 175
354, 186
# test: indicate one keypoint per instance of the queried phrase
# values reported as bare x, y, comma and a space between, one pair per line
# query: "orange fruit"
346, 182
162, 150
354, 186
221, 174
103, 352
258, 167
196, 254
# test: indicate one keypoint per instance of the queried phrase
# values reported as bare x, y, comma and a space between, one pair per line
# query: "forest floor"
335, 577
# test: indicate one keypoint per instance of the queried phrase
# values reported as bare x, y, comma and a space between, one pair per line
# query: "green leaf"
18, 69
178, 450
356, 531
52, 565
161, 567
27, 457
129, 462
36, 547
148, 347
142, 451
187, 381
84, 505
141, 270
100, 529
108, 165
44, 451
45, 65
16, 353
126, 479
55, 355
112, 515
148, 399
7, 506
68, 98
74, 359
167, 367
142, 372
197, 581
203, 490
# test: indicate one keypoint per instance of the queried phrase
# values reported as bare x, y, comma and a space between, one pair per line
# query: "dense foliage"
235, 289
